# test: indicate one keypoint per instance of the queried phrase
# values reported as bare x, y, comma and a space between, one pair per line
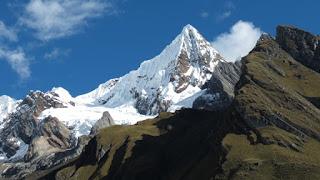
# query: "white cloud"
238, 42
17, 60
7, 33
56, 53
52, 19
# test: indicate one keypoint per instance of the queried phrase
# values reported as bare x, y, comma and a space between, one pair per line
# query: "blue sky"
78, 44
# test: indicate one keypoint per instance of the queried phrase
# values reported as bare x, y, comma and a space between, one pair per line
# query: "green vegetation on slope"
184, 145
276, 89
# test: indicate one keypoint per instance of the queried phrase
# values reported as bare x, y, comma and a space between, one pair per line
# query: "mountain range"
187, 113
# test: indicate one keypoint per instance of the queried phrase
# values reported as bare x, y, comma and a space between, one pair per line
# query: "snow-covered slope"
80, 115
168, 82
170, 78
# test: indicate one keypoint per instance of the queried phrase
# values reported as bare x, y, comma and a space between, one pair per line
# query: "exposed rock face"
22, 125
220, 89
301, 45
105, 121
195, 52
21, 170
53, 136
228, 74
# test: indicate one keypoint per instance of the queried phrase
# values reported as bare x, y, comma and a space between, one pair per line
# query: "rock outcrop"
22, 126
219, 90
52, 137
301, 45
105, 121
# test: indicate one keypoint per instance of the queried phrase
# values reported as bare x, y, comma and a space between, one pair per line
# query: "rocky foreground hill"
269, 129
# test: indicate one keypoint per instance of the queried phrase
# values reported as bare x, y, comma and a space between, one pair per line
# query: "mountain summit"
188, 73
166, 81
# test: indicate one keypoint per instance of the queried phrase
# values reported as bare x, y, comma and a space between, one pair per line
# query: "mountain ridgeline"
254, 119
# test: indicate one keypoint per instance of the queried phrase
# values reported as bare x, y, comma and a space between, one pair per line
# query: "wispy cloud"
224, 15
53, 19
56, 53
239, 41
7, 33
229, 7
17, 60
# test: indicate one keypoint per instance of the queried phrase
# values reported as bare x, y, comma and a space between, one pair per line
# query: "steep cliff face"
301, 45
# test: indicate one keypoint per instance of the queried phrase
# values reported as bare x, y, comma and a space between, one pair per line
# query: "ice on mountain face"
92, 96
177, 73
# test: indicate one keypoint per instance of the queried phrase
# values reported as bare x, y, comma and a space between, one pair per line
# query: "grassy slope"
274, 83
277, 84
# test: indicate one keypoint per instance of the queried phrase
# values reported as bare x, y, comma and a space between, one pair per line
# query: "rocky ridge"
301, 45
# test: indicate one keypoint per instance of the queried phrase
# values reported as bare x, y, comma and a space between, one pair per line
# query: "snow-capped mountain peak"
179, 72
